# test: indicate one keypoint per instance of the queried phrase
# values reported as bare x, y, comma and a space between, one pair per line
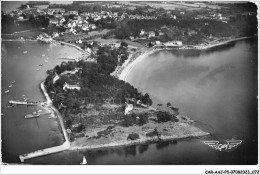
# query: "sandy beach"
122, 72
126, 68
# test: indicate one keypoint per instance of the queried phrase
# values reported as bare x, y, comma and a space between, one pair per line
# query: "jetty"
23, 103
46, 151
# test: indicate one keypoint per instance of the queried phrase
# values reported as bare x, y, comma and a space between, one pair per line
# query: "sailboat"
84, 161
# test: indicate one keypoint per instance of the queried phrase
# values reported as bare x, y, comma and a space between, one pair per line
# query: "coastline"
136, 142
123, 71
169, 131
185, 130
54, 41
126, 69
193, 132
55, 111
72, 45
21, 40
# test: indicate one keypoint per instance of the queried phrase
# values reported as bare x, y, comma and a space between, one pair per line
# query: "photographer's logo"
225, 145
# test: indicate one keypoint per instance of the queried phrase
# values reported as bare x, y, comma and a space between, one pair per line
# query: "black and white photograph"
89, 83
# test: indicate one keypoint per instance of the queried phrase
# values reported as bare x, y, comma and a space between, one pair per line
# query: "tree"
124, 44
143, 119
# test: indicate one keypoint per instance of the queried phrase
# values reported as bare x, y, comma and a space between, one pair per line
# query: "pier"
44, 152
23, 103
47, 151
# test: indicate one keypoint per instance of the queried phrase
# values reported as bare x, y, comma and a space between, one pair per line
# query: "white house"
68, 86
54, 21
128, 108
179, 43
131, 37
73, 13
151, 34
70, 72
55, 34
142, 32
84, 27
55, 78
157, 42
88, 50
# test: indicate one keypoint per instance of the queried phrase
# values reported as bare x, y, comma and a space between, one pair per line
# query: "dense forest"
239, 25
97, 86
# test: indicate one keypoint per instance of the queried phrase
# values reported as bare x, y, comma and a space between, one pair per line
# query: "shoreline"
221, 43
54, 41
72, 45
56, 112
123, 71
126, 69
151, 140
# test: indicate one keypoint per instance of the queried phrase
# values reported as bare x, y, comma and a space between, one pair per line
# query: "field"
172, 5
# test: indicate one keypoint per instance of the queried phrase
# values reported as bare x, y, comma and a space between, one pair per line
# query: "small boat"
43, 55
6, 91
10, 86
40, 65
37, 69
46, 61
39, 110
24, 51
13, 82
34, 115
84, 161
23, 95
10, 105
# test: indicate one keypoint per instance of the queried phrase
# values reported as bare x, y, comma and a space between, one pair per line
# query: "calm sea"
20, 135
216, 88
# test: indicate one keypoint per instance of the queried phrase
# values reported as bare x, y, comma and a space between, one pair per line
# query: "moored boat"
34, 115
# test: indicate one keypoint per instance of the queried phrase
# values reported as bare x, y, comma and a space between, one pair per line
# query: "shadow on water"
130, 151
97, 153
162, 145
143, 148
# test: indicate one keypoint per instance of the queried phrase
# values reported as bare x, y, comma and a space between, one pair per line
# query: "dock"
56, 149
44, 152
23, 103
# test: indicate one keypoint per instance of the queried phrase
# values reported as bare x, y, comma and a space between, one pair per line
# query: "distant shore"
72, 45
54, 41
123, 71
